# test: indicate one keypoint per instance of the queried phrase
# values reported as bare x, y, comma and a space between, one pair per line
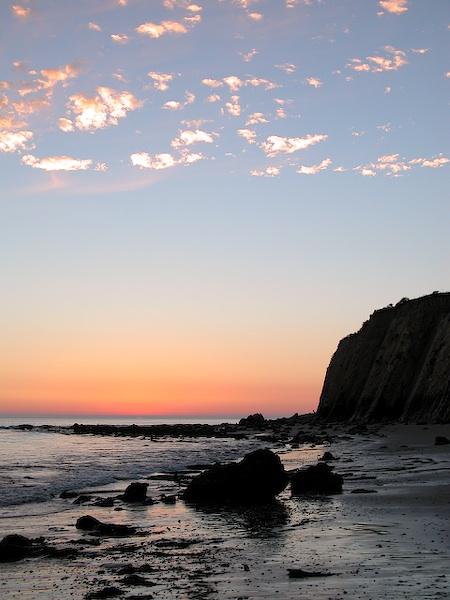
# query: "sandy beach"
392, 542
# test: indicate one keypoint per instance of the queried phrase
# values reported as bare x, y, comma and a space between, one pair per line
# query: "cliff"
396, 367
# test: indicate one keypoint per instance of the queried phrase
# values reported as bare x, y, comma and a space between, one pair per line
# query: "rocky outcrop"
396, 367
257, 478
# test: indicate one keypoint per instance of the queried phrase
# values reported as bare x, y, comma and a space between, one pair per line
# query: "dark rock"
302, 574
105, 502
363, 491
88, 523
308, 438
256, 421
316, 479
15, 547
83, 499
107, 592
441, 440
67, 494
171, 499
258, 478
135, 492
327, 456
396, 367
137, 580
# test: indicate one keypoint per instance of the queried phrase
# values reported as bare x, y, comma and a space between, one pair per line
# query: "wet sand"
394, 543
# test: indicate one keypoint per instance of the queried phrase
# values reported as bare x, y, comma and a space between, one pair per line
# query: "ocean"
37, 465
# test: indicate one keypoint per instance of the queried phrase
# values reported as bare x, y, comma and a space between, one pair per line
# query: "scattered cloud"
160, 80
176, 105
21, 12
314, 82
255, 16
94, 27
104, 109
256, 118
143, 160
394, 60
66, 125
267, 172
248, 134
394, 165
156, 30
314, 169
233, 107
57, 163
13, 141
248, 56
119, 38
397, 7
288, 68
276, 144
189, 137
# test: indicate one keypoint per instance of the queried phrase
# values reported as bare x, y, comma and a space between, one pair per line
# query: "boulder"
135, 492
15, 547
316, 479
256, 421
327, 456
93, 525
257, 478
441, 440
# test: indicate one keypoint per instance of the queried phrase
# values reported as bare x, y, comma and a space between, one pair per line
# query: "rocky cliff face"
396, 367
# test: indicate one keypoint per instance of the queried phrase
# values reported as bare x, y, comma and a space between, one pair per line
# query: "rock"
257, 478
302, 574
396, 367
135, 492
441, 440
83, 499
327, 456
256, 421
105, 502
316, 479
15, 547
137, 580
308, 438
67, 494
88, 523
363, 491
171, 499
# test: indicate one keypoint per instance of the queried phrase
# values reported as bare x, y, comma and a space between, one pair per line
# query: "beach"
392, 542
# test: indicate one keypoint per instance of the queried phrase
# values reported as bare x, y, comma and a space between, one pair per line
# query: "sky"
199, 200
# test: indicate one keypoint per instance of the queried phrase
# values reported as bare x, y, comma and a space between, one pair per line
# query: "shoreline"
392, 542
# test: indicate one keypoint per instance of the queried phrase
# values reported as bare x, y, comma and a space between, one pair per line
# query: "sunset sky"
199, 199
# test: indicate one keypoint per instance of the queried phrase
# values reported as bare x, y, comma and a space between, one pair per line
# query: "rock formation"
396, 367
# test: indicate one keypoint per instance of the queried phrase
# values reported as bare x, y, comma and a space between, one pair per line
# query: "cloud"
12, 141
397, 7
378, 64
233, 82
119, 38
314, 82
20, 11
65, 125
189, 137
248, 134
158, 162
30, 107
176, 105
160, 80
214, 83
213, 98
431, 163
94, 27
394, 165
255, 16
256, 118
267, 172
314, 169
233, 107
143, 160
275, 144
103, 110
288, 68
248, 56
260, 81
57, 163
156, 30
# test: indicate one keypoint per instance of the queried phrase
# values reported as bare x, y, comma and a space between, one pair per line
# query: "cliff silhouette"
396, 367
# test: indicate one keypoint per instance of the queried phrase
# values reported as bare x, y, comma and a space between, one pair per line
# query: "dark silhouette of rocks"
302, 574
136, 492
256, 421
327, 456
316, 479
441, 440
16, 547
396, 367
257, 478
93, 525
